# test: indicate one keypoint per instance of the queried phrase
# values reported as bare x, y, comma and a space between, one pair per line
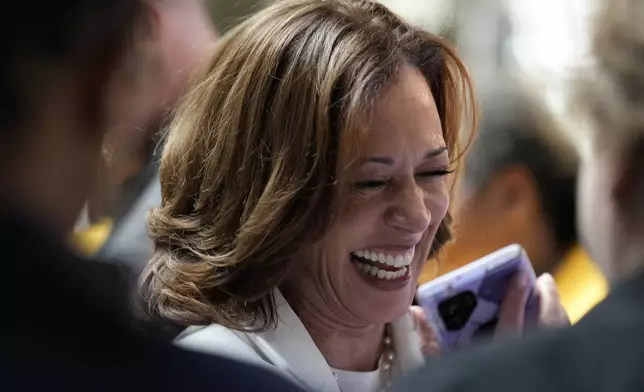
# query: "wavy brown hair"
258, 155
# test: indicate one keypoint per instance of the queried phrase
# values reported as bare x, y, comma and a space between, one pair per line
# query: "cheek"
356, 221
318, 263
438, 203
359, 217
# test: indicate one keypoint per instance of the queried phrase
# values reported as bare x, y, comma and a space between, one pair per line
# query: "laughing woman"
305, 183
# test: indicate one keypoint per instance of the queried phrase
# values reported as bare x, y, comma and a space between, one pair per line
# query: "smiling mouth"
383, 265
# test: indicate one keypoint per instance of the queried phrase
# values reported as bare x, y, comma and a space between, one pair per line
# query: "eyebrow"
389, 161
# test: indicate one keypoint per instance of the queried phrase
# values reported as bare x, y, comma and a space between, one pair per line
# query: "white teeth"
396, 260
399, 261
380, 273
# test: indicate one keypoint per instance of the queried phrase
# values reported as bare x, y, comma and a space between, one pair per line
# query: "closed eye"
375, 184
435, 173
371, 184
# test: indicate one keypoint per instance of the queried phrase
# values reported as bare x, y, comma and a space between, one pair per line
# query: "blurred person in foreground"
182, 34
73, 69
603, 351
304, 186
519, 186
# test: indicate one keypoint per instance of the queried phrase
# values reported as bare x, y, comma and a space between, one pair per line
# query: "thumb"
512, 310
551, 311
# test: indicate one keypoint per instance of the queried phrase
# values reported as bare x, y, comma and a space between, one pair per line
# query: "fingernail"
547, 276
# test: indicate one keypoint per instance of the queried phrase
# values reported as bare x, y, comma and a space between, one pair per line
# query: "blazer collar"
290, 348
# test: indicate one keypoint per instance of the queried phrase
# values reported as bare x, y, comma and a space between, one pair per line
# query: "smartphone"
462, 305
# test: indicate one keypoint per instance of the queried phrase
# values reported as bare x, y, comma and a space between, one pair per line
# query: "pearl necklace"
385, 364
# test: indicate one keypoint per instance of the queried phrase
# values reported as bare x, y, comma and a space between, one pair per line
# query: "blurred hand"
429, 344
511, 314
512, 311
551, 312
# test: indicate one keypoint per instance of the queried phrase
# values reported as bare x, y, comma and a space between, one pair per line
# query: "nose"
409, 212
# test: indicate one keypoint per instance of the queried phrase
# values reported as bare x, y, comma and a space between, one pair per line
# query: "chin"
384, 300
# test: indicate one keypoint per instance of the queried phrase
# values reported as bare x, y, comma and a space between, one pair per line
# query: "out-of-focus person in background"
604, 351
304, 185
182, 36
72, 70
519, 186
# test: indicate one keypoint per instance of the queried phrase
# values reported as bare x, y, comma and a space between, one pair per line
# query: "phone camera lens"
456, 310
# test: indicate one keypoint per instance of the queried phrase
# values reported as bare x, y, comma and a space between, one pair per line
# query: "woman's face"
368, 264
609, 192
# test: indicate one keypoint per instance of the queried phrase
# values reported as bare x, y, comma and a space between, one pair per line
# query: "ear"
153, 8
513, 191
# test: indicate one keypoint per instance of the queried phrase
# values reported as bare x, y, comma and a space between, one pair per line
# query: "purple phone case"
488, 278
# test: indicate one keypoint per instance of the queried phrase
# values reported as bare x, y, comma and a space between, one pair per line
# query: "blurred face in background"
611, 216
611, 180
64, 86
519, 185
182, 35
506, 210
186, 36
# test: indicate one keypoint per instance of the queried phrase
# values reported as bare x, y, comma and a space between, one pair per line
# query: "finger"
551, 311
433, 350
420, 320
512, 310
429, 342
547, 292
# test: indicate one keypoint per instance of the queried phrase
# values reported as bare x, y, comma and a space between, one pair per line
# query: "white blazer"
290, 349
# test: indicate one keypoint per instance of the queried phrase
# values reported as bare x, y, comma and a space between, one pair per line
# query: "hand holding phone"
465, 304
